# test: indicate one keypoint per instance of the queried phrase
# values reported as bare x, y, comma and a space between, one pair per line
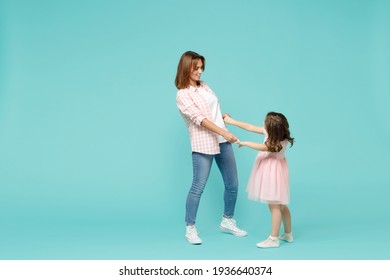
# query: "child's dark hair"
277, 127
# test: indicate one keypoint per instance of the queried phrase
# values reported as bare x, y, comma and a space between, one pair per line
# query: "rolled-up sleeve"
194, 109
188, 108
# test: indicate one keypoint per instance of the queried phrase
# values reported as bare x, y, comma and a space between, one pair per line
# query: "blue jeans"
201, 166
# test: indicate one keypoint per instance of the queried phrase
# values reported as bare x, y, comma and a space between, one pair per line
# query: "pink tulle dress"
269, 181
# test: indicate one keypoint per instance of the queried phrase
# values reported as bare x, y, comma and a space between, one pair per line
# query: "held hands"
227, 119
230, 137
233, 139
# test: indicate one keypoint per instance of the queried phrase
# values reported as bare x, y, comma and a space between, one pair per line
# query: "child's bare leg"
286, 217
276, 219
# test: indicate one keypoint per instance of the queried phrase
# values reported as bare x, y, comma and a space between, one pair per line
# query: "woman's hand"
230, 137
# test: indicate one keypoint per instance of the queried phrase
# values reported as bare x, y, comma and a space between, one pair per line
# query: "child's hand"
227, 118
238, 143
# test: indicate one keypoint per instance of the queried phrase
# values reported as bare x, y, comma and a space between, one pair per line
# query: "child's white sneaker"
271, 242
287, 237
230, 226
192, 235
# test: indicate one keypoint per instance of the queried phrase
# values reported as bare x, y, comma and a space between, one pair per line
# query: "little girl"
269, 180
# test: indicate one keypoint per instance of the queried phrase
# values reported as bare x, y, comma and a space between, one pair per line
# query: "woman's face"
196, 73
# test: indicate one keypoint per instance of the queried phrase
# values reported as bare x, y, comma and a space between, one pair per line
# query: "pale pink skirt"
269, 180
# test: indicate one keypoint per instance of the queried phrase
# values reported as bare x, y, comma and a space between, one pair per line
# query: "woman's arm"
188, 108
243, 125
216, 129
253, 145
191, 111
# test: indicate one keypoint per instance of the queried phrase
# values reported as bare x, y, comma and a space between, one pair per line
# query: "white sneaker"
229, 226
192, 235
287, 237
271, 242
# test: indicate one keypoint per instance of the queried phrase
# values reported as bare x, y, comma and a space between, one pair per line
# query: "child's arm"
243, 125
253, 145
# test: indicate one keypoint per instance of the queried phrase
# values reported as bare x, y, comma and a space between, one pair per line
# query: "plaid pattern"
194, 109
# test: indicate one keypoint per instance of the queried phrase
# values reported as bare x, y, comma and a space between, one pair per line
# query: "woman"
210, 140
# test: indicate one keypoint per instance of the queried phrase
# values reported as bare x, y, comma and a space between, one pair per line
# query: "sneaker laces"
192, 231
271, 240
233, 225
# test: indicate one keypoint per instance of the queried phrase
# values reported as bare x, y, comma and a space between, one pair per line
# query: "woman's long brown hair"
186, 64
277, 127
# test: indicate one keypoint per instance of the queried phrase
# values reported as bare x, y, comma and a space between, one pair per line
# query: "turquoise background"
95, 159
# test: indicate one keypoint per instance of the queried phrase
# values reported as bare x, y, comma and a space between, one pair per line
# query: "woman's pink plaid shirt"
194, 109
